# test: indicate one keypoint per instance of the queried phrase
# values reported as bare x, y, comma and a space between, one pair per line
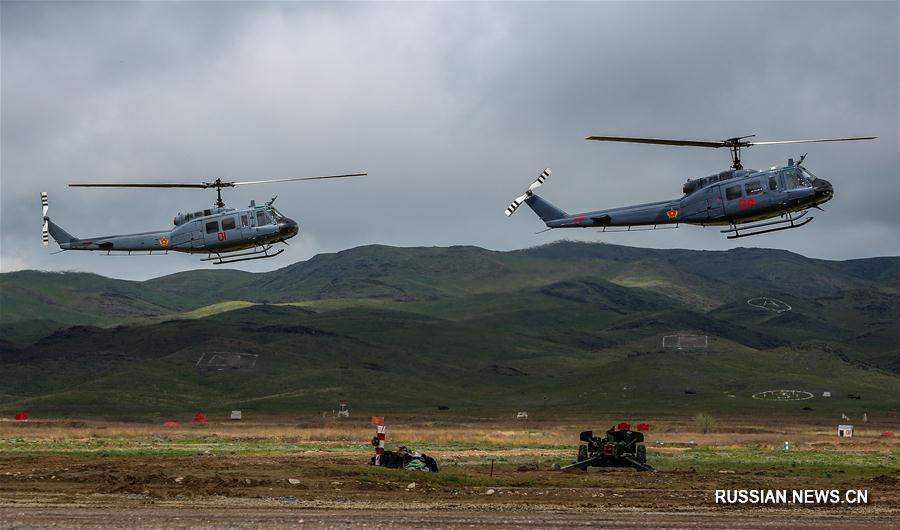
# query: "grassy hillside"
569, 326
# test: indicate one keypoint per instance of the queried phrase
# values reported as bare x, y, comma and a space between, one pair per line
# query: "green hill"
563, 327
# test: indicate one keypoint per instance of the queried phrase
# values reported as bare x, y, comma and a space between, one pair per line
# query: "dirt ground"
317, 479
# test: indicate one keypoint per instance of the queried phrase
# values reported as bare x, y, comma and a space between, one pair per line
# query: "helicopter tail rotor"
45, 231
51, 229
511, 209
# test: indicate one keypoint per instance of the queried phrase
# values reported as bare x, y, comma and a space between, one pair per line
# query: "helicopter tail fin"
51, 229
546, 211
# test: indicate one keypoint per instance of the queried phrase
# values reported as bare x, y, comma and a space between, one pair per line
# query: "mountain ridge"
572, 321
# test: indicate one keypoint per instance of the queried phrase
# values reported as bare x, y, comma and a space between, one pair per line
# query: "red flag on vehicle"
624, 426
643, 427
377, 420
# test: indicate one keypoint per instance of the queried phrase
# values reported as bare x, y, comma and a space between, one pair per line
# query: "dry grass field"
277, 469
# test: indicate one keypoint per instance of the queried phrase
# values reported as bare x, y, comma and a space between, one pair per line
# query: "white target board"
220, 360
685, 341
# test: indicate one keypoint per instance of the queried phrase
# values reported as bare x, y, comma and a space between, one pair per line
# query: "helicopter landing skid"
735, 234
253, 254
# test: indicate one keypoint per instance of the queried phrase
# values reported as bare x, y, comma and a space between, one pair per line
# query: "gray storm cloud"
452, 108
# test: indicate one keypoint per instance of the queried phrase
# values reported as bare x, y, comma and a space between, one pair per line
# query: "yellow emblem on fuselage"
164, 242
672, 213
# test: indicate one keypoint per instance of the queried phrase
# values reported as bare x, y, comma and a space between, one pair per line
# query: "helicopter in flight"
741, 199
226, 235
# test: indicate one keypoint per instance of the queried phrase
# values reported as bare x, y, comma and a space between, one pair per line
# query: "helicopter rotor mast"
733, 144
218, 184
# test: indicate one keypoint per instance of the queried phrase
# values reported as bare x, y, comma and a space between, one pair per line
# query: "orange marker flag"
377, 420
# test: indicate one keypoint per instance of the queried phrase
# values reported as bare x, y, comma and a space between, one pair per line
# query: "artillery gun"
620, 447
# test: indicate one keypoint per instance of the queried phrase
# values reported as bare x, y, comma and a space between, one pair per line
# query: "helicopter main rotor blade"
813, 141
299, 178
658, 141
140, 185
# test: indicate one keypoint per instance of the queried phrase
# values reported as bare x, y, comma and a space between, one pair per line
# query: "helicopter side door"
732, 197
706, 206
265, 225
703, 205
715, 208
247, 225
231, 227
187, 236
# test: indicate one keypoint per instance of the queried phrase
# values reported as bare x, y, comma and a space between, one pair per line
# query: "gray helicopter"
733, 197
221, 233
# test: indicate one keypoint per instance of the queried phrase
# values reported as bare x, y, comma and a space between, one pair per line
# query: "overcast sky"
453, 109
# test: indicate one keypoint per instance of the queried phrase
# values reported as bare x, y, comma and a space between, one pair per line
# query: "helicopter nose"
824, 190
287, 228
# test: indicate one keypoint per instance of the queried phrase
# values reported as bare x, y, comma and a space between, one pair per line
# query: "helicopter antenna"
733, 144
218, 184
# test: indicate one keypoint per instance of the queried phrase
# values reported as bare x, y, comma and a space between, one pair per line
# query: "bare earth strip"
417, 518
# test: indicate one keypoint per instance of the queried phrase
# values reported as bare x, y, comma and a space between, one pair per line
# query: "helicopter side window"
753, 187
261, 218
733, 192
244, 221
773, 183
228, 223
212, 227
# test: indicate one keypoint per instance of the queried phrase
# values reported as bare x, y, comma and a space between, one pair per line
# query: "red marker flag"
199, 417
377, 420
21, 416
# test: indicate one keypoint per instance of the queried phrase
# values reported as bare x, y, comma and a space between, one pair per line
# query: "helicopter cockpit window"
733, 192
278, 216
228, 223
792, 179
244, 221
207, 212
773, 183
212, 227
261, 218
808, 176
753, 187
198, 214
